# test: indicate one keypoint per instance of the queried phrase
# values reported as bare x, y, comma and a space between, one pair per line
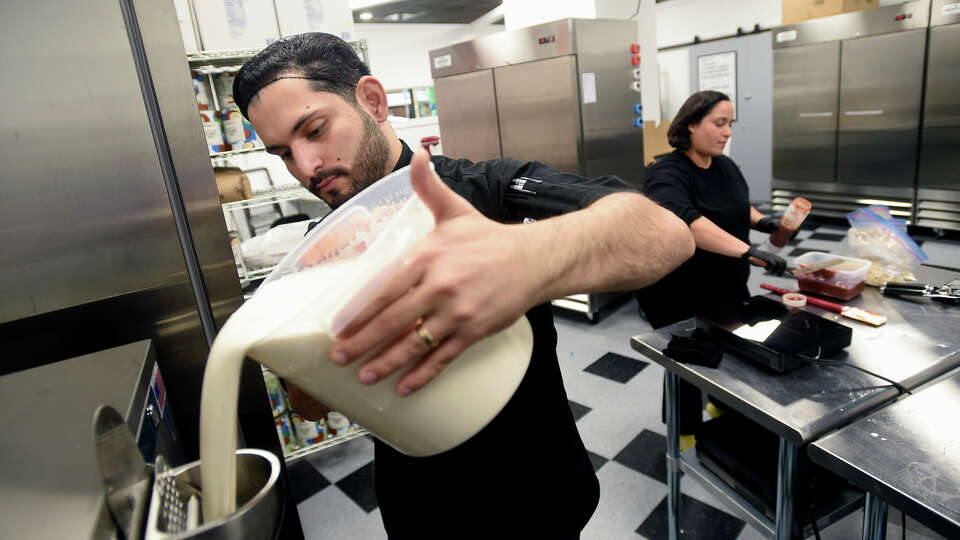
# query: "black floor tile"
305, 481
697, 521
800, 251
578, 410
596, 460
616, 367
646, 454
359, 486
827, 236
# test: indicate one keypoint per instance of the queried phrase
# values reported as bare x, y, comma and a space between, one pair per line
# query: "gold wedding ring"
425, 336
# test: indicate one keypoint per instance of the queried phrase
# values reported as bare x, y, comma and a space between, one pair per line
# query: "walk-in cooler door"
539, 113
467, 112
880, 86
805, 93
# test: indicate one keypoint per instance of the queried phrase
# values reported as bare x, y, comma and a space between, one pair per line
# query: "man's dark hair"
327, 62
692, 112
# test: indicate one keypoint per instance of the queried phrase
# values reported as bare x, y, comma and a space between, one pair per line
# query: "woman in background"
707, 191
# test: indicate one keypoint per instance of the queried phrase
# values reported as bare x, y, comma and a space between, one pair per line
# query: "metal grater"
172, 515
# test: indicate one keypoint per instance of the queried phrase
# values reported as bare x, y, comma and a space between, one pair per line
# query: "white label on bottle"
211, 130
789, 35
233, 128
950, 9
443, 61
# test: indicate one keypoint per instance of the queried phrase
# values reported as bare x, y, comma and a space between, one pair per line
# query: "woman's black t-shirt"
707, 281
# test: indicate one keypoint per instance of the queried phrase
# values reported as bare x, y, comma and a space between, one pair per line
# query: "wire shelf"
258, 148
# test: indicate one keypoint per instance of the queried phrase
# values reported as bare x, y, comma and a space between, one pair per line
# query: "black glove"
774, 264
767, 225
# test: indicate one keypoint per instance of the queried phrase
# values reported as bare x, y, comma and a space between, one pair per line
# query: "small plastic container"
842, 281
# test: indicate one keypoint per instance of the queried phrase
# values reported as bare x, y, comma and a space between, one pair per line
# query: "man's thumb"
442, 201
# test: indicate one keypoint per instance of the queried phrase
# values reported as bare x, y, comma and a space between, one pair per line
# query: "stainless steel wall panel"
158, 21
539, 114
612, 145
467, 113
880, 109
538, 42
939, 157
805, 101
885, 19
84, 214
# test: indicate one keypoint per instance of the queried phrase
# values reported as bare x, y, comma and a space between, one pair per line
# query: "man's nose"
308, 161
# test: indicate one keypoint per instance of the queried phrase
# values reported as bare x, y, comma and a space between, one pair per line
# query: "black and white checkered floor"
615, 397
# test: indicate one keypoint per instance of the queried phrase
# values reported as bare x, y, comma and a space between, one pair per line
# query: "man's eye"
286, 155
315, 132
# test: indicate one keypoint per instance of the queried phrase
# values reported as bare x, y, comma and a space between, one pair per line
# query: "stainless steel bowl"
259, 499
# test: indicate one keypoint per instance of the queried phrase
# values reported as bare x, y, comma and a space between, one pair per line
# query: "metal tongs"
948, 294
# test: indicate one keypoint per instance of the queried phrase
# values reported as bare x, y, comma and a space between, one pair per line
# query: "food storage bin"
842, 281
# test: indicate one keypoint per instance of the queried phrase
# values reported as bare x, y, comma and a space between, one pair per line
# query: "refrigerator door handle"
867, 112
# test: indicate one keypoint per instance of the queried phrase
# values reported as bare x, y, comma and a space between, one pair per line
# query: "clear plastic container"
842, 281
324, 283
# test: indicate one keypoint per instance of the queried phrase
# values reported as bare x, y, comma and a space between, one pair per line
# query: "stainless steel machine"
847, 95
566, 93
110, 219
938, 179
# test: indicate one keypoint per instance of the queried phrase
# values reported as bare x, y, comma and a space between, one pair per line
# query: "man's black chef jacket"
707, 281
528, 470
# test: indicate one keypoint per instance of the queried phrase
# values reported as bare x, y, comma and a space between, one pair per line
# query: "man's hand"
468, 279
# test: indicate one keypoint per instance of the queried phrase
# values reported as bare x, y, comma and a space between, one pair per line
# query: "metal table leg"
673, 455
786, 479
874, 518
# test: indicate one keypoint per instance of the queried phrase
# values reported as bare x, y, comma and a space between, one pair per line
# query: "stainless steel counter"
907, 454
920, 341
50, 484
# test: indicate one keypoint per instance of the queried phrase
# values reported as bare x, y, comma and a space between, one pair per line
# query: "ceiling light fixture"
366, 16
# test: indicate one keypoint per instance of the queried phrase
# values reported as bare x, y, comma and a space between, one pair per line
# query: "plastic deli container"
327, 280
842, 281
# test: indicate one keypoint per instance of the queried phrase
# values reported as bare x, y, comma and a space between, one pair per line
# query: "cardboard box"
795, 11
232, 184
655, 140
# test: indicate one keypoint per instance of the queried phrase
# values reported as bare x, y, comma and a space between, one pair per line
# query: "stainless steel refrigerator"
938, 180
566, 93
110, 223
847, 94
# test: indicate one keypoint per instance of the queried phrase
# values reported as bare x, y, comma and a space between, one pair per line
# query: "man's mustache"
324, 174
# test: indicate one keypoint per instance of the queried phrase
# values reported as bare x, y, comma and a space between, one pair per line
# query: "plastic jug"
320, 286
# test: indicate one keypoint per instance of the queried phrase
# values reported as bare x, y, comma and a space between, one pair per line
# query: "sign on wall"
719, 72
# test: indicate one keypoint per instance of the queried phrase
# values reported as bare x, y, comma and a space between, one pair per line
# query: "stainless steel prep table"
906, 454
919, 342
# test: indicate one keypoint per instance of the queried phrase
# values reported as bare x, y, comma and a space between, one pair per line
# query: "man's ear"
372, 97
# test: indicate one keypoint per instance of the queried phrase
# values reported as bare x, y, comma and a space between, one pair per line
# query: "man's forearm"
623, 241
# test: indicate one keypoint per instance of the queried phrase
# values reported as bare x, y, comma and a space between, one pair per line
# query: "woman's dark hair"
329, 63
692, 112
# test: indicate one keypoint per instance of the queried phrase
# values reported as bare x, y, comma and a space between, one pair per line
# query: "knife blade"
851, 312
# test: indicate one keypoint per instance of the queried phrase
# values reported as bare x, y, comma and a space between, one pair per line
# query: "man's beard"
369, 164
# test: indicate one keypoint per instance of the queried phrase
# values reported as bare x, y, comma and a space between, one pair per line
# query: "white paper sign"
719, 72
443, 61
589, 85
950, 9
789, 35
